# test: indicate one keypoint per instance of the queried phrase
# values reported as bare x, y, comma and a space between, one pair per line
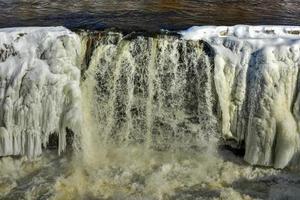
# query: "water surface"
147, 15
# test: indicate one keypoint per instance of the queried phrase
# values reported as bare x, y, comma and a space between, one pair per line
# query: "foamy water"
136, 173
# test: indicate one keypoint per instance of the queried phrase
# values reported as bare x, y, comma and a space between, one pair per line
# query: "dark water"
147, 15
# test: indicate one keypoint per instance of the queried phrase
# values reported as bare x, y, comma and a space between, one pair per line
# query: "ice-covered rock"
39, 88
256, 77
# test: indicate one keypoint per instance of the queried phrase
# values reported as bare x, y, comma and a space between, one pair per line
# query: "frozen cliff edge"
257, 80
39, 88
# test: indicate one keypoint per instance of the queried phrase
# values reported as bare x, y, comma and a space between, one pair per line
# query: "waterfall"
167, 92
152, 90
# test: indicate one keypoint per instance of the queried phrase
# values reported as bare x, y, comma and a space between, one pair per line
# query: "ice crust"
39, 88
256, 78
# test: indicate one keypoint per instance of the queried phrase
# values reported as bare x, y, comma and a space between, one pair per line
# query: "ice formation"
256, 78
39, 88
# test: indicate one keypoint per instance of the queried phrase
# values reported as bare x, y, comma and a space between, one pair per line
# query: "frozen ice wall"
39, 88
256, 77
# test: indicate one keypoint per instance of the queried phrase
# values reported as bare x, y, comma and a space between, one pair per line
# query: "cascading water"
156, 91
151, 113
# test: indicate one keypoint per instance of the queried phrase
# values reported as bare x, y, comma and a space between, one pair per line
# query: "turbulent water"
150, 116
147, 15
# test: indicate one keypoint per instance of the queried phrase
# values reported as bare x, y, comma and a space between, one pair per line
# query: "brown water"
147, 15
